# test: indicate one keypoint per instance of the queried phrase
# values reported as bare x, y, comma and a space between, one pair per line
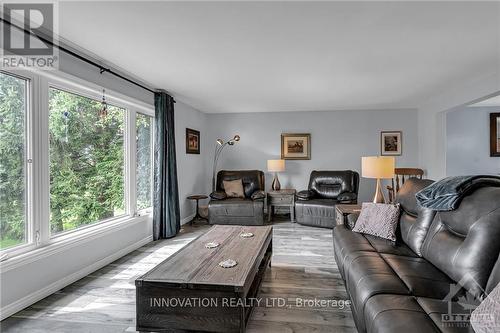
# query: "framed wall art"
192, 141
391, 143
296, 146
495, 134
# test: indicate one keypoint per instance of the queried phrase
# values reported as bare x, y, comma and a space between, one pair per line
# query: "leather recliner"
240, 211
316, 205
423, 282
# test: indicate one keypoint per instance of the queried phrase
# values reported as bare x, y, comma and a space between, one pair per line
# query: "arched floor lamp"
219, 146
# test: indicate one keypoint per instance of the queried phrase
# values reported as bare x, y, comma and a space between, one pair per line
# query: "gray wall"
191, 172
338, 138
468, 142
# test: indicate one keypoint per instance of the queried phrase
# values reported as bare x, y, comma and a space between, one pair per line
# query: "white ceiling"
294, 56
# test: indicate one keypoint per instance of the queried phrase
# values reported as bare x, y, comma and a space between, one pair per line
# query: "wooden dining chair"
400, 174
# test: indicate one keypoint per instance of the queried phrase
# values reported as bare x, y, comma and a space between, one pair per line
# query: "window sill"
64, 242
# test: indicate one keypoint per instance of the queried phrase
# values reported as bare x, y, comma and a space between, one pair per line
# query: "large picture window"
144, 177
13, 179
86, 161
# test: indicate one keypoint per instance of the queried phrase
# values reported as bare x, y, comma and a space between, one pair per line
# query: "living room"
360, 140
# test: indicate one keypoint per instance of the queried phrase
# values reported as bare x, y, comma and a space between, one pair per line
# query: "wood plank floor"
303, 269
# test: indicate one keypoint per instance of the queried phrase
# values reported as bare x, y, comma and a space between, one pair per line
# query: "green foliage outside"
12, 158
86, 161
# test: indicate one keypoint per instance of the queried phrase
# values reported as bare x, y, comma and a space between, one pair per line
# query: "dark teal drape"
166, 215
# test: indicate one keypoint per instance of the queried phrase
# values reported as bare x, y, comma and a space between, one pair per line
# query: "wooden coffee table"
190, 291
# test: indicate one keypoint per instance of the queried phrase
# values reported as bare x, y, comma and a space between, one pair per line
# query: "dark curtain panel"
166, 215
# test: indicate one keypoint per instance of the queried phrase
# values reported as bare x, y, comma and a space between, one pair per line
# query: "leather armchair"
240, 211
316, 205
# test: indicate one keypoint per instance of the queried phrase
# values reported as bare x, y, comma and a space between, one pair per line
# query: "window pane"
12, 161
144, 161
86, 161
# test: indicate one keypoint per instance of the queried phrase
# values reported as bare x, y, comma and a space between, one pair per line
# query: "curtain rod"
102, 69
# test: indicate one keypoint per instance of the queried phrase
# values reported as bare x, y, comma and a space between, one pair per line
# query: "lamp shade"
379, 167
275, 165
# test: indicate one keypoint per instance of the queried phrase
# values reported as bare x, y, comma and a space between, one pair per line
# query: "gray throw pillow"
379, 220
233, 188
486, 317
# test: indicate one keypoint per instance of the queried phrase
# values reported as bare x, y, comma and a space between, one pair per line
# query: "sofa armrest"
218, 195
305, 195
258, 195
347, 197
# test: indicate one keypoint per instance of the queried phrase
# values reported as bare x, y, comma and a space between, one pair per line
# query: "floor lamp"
378, 167
219, 146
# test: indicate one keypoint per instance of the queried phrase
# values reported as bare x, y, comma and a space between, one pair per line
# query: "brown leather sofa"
243, 211
441, 261
316, 205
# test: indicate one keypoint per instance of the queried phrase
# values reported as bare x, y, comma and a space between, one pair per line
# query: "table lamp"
379, 168
276, 166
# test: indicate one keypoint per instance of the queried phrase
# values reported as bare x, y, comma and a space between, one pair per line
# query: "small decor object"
212, 245
276, 166
391, 143
379, 168
295, 146
495, 134
103, 111
379, 220
219, 146
233, 188
246, 235
228, 263
192, 141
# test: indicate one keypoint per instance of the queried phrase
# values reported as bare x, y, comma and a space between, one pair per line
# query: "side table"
197, 217
342, 212
281, 198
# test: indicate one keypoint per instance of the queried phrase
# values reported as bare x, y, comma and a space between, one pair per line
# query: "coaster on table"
228, 263
246, 235
211, 245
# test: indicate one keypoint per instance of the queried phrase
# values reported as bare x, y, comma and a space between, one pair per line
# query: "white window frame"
29, 169
37, 142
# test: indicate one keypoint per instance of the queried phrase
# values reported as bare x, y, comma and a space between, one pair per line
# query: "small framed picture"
495, 134
296, 146
391, 143
192, 141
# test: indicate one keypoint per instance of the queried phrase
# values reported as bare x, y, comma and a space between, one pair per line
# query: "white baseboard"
32, 298
187, 219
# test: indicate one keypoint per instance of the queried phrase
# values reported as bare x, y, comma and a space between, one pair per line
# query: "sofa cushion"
464, 243
232, 206
386, 246
367, 275
378, 220
419, 276
253, 180
415, 220
346, 243
317, 212
218, 195
438, 310
494, 279
329, 184
389, 313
